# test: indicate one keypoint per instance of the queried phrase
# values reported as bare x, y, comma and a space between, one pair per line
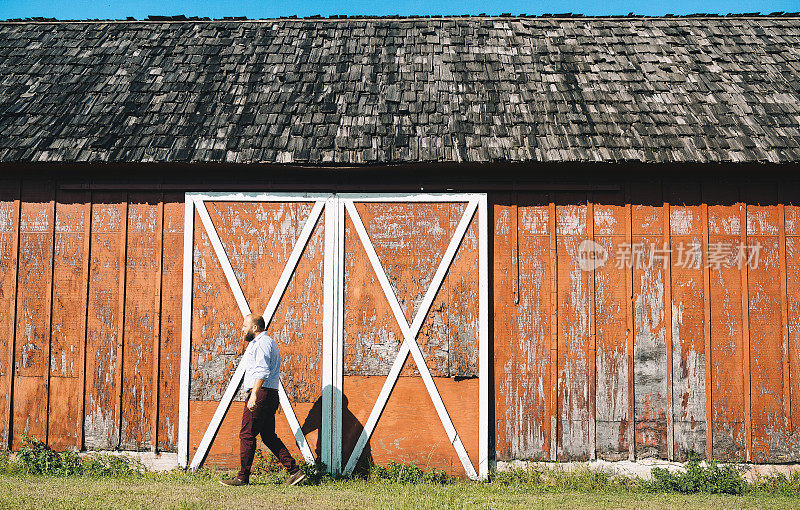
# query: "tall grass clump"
6, 466
711, 478
778, 484
396, 472
529, 477
106, 464
556, 479
35, 457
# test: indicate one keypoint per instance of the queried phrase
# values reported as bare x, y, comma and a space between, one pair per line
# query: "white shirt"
263, 361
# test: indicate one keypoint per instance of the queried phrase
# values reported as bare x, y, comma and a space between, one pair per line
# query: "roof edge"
409, 18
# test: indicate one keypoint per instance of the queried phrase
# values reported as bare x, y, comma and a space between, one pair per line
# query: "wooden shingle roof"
382, 91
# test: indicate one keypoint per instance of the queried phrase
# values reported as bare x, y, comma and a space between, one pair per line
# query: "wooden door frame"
196, 202
476, 204
336, 207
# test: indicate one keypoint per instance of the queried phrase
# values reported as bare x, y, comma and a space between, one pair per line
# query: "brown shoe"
295, 478
235, 482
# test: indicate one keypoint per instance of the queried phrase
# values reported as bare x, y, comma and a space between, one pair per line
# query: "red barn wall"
654, 361
612, 362
90, 287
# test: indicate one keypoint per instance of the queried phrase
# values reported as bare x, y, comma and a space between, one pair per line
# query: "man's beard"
249, 336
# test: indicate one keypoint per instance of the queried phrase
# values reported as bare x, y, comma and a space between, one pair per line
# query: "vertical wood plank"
667, 265
650, 349
771, 432
553, 408
49, 348
629, 332
141, 324
523, 363
532, 329
748, 409
785, 354
506, 417
171, 298
707, 334
573, 330
687, 324
104, 321
9, 249
611, 309
790, 223
589, 266
484, 343
792, 228
120, 373
70, 278
87, 250
725, 319
337, 376
157, 336
34, 310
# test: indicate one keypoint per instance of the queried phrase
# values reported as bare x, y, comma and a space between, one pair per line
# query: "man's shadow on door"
351, 431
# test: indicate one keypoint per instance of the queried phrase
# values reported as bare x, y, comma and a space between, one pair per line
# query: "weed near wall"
557, 480
106, 464
710, 478
6, 466
777, 484
35, 457
396, 472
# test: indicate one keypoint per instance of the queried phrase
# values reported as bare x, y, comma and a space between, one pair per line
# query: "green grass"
201, 491
40, 478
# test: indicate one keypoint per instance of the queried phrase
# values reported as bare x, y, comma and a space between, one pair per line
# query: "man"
263, 362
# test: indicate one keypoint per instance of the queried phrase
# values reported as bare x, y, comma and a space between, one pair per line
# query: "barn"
475, 239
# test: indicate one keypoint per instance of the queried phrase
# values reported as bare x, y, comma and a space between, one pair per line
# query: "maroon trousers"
261, 420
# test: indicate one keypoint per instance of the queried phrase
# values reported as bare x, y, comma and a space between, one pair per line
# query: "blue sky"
83, 9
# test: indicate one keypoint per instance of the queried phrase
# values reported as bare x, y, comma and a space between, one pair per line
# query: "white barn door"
243, 251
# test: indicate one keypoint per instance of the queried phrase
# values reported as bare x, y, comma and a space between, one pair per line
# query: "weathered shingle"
375, 91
